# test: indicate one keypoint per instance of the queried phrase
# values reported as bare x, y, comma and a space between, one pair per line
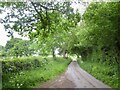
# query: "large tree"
103, 34
44, 21
18, 47
39, 17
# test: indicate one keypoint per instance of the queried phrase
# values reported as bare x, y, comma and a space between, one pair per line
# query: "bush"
19, 64
31, 71
103, 72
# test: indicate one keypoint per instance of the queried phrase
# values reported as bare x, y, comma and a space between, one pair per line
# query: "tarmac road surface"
75, 77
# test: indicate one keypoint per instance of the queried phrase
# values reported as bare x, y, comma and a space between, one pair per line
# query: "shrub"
39, 71
19, 64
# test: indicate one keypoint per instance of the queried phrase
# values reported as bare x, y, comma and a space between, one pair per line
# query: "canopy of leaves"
47, 22
39, 18
102, 20
103, 34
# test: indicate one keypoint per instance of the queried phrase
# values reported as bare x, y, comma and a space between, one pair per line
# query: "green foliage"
99, 42
33, 76
1, 47
2, 51
18, 47
46, 23
96, 38
102, 20
106, 73
40, 19
3, 54
11, 43
99, 37
19, 64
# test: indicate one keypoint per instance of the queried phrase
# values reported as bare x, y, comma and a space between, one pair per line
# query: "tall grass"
104, 72
35, 76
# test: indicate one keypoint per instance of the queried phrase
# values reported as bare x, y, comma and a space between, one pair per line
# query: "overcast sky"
3, 34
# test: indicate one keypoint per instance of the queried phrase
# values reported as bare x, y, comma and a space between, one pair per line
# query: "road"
75, 77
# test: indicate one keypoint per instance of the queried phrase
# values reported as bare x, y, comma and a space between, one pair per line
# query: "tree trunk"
77, 55
65, 54
53, 53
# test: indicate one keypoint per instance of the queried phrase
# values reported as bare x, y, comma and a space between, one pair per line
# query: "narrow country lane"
75, 77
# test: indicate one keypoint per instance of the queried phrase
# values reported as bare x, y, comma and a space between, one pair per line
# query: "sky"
3, 37
3, 34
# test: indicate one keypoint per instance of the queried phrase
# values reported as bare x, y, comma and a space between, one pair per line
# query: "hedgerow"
19, 64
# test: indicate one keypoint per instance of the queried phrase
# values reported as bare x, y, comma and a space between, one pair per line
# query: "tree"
1, 47
101, 22
42, 21
37, 17
2, 51
11, 43
18, 47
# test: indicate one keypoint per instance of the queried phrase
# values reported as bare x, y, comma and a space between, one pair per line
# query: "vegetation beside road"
106, 73
32, 75
51, 27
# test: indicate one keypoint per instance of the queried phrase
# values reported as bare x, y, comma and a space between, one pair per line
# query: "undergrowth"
106, 73
33, 77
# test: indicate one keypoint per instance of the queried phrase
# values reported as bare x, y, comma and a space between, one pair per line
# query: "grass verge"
36, 76
106, 73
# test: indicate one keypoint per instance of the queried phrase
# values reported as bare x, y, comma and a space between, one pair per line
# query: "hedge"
19, 64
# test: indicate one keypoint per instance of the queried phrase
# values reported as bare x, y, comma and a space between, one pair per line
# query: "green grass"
0, 83
101, 71
35, 77
0, 75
